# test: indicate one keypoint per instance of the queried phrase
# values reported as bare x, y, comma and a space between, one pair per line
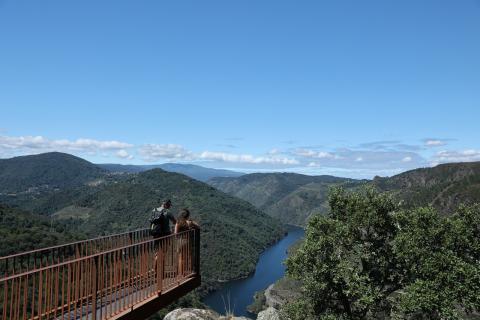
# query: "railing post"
94, 289
159, 264
197, 250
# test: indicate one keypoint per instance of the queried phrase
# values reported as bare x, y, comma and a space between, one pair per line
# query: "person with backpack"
160, 227
160, 221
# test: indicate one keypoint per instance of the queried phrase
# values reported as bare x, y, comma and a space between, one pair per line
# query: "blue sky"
352, 88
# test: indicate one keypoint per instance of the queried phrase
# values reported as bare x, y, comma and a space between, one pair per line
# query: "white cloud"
274, 151
373, 158
42, 144
123, 154
154, 152
308, 153
445, 156
434, 142
246, 158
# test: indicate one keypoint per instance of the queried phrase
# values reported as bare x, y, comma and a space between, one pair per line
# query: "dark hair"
183, 216
168, 201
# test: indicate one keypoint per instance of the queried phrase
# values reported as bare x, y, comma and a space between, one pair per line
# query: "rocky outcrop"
271, 299
269, 314
192, 314
282, 292
199, 314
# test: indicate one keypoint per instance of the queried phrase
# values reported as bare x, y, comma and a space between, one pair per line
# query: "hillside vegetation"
47, 171
22, 231
369, 259
444, 186
293, 198
290, 197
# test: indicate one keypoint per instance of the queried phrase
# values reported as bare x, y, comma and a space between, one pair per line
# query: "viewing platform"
122, 276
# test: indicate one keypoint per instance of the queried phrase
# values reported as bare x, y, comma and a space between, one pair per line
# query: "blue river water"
238, 294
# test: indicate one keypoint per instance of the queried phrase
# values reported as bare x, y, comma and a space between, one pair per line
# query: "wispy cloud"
388, 145
246, 158
373, 158
35, 144
227, 145
435, 142
308, 153
123, 154
155, 152
446, 156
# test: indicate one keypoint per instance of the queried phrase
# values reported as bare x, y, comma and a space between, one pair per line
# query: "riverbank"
236, 295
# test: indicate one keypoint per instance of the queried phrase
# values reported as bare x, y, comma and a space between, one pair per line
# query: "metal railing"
101, 284
34, 259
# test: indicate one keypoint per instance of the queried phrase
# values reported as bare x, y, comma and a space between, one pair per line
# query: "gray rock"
198, 314
269, 314
192, 314
271, 299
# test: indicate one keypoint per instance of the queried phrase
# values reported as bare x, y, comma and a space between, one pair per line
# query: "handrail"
177, 235
104, 284
69, 244
20, 262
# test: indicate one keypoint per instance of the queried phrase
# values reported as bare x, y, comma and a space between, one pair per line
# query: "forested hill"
290, 197
45, 171
231, 228
444, 186
22, 231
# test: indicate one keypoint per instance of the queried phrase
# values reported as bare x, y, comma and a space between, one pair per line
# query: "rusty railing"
103, 281
31, 260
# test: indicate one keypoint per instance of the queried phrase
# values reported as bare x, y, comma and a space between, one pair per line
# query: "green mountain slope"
231, 228
290, 197
47, 171
22, 231
444, 186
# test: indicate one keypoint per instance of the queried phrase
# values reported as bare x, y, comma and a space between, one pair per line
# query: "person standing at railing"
184, 241
160, 221
160, 227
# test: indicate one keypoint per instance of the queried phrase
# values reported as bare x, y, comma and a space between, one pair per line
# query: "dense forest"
22, 231
445, 186
369, 258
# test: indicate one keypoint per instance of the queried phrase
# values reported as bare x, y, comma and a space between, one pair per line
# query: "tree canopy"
371, 259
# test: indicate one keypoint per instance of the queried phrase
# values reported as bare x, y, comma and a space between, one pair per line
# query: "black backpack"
157, 224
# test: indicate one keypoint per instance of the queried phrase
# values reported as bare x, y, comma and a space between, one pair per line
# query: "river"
238, 294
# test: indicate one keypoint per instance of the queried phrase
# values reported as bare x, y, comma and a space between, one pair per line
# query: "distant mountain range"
293, 198
290, 197
194, 171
